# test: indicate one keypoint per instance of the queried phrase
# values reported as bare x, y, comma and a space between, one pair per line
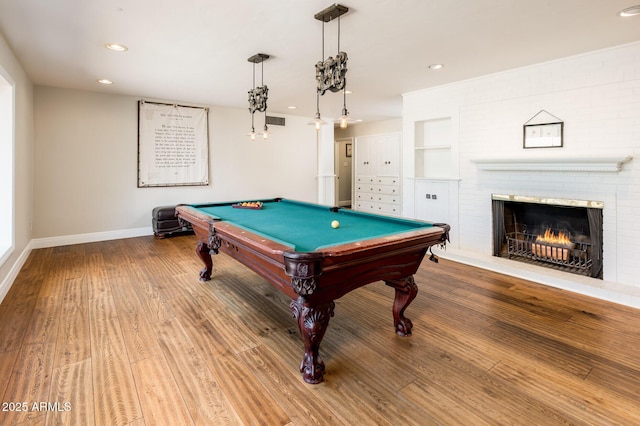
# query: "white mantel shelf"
556, 164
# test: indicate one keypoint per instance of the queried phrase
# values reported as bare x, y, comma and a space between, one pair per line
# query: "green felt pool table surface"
292, 245
307, 227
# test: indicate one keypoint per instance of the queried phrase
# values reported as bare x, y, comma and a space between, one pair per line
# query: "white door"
343, 165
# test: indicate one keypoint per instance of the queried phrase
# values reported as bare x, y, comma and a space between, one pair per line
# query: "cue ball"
335, 224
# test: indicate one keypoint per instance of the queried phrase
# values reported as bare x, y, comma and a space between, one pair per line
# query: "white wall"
369, 128
23, 176
597, 95
86, 164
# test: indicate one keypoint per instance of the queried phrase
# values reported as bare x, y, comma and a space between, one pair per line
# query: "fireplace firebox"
556, 233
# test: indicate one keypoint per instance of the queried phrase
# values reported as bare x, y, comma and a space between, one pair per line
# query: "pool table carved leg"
204, 253
406, 291
312, 322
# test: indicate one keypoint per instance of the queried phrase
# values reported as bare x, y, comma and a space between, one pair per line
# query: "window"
6, 166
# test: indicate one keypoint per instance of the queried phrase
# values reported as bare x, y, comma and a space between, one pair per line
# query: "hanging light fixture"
258, 95
331, 72
344, 118
318, 121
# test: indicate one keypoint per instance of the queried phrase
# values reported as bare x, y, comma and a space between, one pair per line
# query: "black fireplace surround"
517, 222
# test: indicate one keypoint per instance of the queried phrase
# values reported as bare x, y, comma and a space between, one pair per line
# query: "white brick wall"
597, 95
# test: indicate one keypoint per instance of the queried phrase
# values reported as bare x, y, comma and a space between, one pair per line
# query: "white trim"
5, 252
66, 240
604, 290
8, 166
558, 164
429, 179
600, 289
550, 201
6, 284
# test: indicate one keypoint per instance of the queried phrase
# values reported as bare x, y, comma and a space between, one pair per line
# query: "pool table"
293, 246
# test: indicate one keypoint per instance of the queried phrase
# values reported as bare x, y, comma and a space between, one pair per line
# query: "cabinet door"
378, 155
364, 152
388, 155
432, 201
377, 168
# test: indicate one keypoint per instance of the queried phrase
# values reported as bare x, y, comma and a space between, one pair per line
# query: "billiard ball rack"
251, 205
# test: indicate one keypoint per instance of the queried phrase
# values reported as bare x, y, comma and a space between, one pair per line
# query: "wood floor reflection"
122, 332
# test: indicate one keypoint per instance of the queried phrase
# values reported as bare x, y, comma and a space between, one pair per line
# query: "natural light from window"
6, 166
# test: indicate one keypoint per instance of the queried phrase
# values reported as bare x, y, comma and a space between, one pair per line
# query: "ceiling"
195, 51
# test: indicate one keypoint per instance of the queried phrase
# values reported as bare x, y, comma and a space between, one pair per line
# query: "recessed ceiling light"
292, 107
116, 47
105, 81
630, 11
435, 66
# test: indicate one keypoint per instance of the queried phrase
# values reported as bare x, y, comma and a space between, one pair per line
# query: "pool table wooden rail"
313, 280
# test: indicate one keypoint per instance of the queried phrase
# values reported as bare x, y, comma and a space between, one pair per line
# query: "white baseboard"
599, 289
8, 280
66, 240
613, 292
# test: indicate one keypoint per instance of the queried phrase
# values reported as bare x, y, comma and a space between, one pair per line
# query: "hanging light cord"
265, 105
338, 34
318, 91
323, 40
344, 89
254, 88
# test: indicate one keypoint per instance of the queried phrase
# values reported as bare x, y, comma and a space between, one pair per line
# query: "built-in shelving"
432, 148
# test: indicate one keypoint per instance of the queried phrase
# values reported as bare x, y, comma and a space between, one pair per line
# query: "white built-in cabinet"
377, 174
435, 183
432, 200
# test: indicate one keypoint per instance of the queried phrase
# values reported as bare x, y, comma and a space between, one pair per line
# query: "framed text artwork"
173, 145
543, 130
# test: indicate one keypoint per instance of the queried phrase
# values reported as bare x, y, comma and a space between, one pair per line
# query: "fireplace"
556, 233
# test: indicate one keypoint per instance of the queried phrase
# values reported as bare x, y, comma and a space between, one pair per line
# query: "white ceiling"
196, 51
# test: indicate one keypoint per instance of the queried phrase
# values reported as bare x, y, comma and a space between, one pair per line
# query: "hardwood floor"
122, 332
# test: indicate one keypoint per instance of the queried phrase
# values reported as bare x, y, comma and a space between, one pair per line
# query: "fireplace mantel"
554, 164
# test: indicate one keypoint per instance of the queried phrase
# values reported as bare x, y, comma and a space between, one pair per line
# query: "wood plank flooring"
123, 333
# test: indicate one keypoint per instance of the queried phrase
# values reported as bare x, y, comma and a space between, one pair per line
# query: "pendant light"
258, 95
331, 72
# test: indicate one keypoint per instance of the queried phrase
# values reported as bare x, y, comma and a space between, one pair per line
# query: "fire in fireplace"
556, 233
552, 246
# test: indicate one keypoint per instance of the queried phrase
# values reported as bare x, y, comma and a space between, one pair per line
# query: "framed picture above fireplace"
543, 130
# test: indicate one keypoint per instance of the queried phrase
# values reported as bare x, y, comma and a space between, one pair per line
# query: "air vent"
276, 121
